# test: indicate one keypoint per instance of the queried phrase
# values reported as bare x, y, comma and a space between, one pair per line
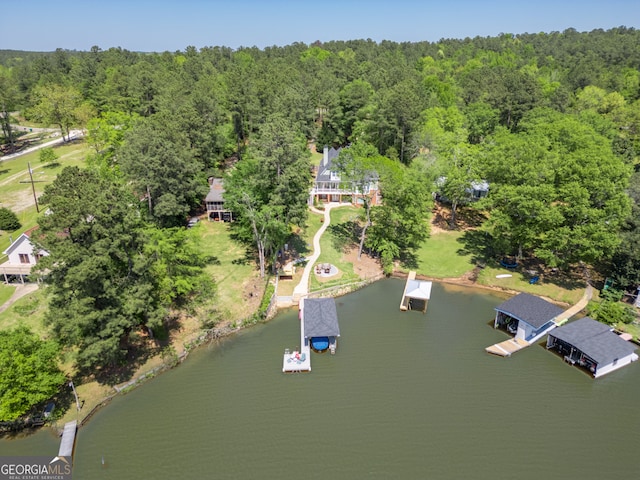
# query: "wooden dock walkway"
68, 439
506, 348
404, 303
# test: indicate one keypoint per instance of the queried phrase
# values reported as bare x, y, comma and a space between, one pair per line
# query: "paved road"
73, 134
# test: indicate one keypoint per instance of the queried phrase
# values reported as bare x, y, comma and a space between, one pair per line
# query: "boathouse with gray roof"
527, 316
320, 318
593, 346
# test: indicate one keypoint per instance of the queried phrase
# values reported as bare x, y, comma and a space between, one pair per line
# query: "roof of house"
16, 243
595, 340
530, 309
325, 167
216, 191
418, 289
320, 318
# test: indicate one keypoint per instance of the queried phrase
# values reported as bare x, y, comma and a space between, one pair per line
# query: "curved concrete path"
302, 289
21, 291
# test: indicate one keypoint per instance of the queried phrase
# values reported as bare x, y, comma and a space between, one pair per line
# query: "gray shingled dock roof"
595, 340
531, 309
320, 318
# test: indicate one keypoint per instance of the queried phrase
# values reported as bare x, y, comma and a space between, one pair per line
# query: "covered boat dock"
416, 294
593, 346
528, 318
319, 330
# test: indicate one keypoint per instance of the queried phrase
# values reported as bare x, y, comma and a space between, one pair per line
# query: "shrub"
8, 220
611, 312
48, 155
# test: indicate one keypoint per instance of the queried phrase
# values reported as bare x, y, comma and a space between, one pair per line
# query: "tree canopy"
29, 372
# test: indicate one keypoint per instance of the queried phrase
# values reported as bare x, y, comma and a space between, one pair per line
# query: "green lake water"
407, 396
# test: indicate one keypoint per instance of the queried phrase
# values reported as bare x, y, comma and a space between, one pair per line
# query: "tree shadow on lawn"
409, 260
298, 247
344, 235
140, 349
479, 245
51, 165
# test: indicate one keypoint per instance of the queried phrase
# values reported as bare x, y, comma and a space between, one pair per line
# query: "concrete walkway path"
570, 312
21, 291
302, 289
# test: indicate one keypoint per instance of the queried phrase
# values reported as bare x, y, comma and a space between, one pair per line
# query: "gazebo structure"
416, 294
320, 324
593, 346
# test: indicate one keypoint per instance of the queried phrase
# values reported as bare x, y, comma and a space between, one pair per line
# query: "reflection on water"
407, 395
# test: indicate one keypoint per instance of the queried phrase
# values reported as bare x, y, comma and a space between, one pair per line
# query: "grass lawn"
332, 252
15, 187
5, 292
233, 271
438, 257
301, 243
28, 310
551, 288
316, 158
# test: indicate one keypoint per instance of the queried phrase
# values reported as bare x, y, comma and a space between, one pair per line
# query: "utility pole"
33, 188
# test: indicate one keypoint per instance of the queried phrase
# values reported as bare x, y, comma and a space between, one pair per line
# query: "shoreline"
202, 337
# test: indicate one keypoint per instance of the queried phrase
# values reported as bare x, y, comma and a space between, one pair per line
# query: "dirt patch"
466, 219
366, 267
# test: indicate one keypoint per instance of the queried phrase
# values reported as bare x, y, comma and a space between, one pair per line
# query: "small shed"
526, 316
320, 319
592, 345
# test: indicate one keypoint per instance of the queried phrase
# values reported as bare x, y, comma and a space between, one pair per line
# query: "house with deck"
22, 256
328, 185
526, 316
214, 202
593, 346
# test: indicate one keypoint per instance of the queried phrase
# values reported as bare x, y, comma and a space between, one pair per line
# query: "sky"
172, 25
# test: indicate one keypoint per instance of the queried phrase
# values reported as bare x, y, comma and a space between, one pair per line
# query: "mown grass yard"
233, 269
439, 256
333, 245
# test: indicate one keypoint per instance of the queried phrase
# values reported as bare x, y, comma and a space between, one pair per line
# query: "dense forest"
551, 121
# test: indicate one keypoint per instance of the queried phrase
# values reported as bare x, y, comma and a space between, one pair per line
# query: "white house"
329, 187
592, 345
21, 257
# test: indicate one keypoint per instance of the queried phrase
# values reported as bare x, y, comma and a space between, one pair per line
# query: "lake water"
407, 395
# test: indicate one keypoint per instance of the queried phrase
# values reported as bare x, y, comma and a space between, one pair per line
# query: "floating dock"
68, 439
506, 348
299, 360
416, 292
